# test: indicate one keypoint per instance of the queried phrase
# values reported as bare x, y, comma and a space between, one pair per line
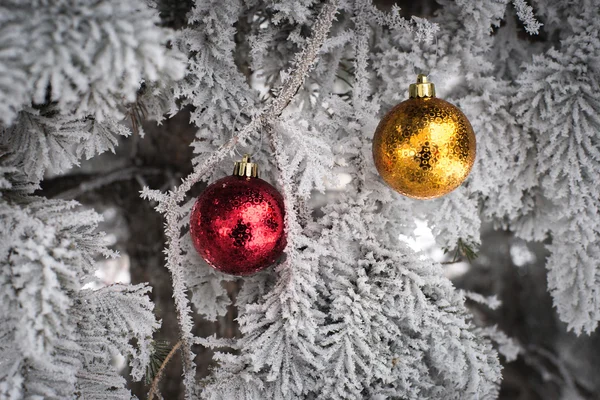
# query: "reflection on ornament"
237, 223
424, 147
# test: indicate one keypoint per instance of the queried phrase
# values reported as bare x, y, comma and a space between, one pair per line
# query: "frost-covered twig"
213, 342
490, 301
525, 14
303, 64
168, 204
507, 346
305, 59
173, 251
422, 29
97, 181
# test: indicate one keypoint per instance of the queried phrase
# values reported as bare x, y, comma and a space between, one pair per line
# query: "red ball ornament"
237, 223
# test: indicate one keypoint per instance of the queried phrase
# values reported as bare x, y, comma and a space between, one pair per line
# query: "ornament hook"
245, 168
423, 88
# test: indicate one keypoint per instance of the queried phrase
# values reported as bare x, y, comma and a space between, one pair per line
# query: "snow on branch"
507, 346
87, 57
557, 104
304, 61
43, 140
312, 158
422, 29
126, 314
58, 339
492, 302
526, 16
209, 297
213, 84
455, 217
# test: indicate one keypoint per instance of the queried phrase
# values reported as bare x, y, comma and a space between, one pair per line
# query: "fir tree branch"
169, 204
303, 63
97, 181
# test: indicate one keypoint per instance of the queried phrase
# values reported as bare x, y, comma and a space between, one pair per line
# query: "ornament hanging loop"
245, 168
423, 88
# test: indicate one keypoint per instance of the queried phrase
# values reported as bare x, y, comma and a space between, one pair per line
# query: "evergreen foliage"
351, 312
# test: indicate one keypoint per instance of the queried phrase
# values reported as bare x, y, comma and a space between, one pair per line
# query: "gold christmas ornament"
424, 147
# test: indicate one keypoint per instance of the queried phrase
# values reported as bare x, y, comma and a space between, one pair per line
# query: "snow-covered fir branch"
351, 311
69, 71
169, 204
88, 57
57, 338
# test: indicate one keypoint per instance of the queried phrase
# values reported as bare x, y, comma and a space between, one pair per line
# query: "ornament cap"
245, 168
423, 88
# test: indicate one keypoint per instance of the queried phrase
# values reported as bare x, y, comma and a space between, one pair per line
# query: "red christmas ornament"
237, 223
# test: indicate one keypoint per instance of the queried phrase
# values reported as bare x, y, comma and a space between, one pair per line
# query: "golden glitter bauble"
424, 147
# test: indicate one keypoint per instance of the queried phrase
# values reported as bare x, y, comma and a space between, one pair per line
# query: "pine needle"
161, 351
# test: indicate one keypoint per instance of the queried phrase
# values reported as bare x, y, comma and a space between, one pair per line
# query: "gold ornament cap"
423, 88
245, 168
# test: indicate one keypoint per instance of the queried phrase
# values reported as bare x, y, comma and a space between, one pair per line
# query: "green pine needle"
161, 349
464, 249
